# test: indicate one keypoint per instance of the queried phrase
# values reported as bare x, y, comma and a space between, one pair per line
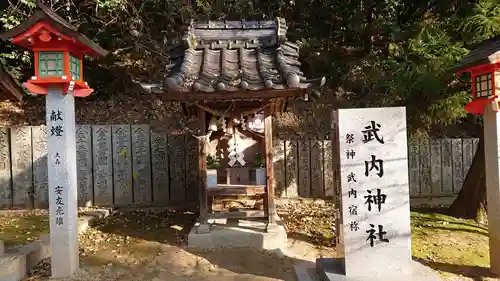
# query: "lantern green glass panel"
74, 67
484, 85
50, 64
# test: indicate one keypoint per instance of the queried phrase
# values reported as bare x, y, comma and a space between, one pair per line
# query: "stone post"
61, 160
491, 148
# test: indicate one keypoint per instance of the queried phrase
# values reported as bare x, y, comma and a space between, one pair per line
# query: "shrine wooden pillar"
270, 208
204, 227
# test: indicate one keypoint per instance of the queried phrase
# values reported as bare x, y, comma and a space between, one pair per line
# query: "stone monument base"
331, 270
237, 233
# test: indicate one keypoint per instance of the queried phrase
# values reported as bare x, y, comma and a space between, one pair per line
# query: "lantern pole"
492, 174
63, 205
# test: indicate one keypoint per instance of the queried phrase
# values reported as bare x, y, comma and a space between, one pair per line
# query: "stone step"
306, 271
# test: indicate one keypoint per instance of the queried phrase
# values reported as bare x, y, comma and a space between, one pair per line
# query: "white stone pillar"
491, 149
61, 160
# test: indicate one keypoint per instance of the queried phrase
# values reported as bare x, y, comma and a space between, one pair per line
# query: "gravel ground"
150, 245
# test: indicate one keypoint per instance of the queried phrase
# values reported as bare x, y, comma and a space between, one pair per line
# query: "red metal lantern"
483, 86
58, 49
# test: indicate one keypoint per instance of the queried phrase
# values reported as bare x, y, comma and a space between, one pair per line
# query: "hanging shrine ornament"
235, 152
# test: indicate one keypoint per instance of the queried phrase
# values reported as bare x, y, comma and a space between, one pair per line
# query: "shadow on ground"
167, 255
474, 272
163, 225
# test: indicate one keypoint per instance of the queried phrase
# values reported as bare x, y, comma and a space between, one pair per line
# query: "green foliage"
259, 161
213, 162
374, 52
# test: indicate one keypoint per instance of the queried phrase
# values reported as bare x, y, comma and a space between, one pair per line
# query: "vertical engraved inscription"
458, 172
83, 141
279, 168
414, 163
292, 173
425, 168
317, 184
159, 160
192, 177
447, 166
468, 154
177, 167
40, 170
141, 164
436, 163
475, 143
103, 174
304, 168
122, 165
22, 167
5, 173
328, 170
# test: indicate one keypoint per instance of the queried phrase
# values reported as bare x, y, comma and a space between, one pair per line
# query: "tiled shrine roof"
486, 53
235, 56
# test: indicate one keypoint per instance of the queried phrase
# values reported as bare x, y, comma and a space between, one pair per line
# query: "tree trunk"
471, 201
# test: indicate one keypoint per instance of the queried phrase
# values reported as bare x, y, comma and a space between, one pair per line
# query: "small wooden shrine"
235, 75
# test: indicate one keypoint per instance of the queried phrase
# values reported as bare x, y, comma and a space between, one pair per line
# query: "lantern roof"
44, 14
488, 52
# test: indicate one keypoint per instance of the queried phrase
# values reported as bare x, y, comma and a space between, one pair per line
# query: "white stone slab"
492, 164
61, 158
369, 169
330, 270
211, 178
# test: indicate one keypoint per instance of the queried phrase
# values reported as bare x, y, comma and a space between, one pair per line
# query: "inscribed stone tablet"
159, 161
436, 166
40, 171
21, 166
458, 176
468, 154
84, 165
5, 175
141, 164
375, 193
291, 168
122, 165
103, 172
447, 166
425, 167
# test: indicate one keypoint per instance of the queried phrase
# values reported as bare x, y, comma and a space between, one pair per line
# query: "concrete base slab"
16, 261
234, 233
330, 270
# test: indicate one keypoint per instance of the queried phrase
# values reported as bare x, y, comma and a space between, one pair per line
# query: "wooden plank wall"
117, 165
121, 165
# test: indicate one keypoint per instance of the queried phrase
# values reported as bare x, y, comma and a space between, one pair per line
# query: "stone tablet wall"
122, 164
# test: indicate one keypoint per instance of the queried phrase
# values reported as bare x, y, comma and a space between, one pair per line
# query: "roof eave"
461, 67
9, 85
